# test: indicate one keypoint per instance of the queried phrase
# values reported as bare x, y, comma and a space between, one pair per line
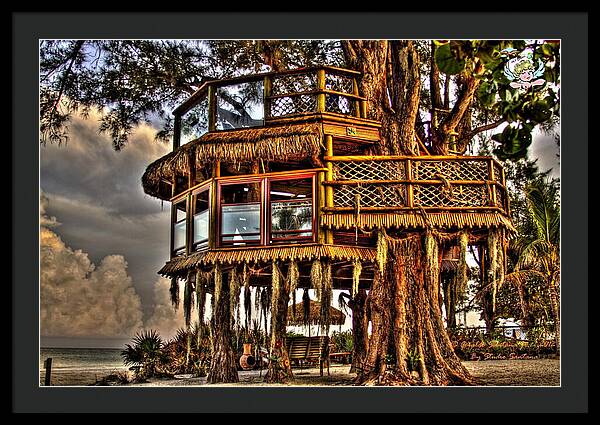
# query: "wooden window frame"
204, 187
183, 198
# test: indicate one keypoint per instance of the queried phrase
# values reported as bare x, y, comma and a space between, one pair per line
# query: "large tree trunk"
280, 368
407, 325
360, 325
223, 365
449, 292
409, 344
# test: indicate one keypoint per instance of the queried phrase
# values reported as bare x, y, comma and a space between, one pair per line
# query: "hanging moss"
461, 278
188, 300
431, 258
326, 296
174, 292
201, 283
316, 277
293, 276
382, 249
305, 308
276, 286
356, 271
234, 294
218, 285
492, 245
245, 281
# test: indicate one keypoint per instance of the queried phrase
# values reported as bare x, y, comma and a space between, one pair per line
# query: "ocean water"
80, 366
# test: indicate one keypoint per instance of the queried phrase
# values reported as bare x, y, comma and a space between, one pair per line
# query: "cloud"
79, 299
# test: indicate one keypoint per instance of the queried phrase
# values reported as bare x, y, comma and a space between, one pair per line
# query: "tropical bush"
145, 354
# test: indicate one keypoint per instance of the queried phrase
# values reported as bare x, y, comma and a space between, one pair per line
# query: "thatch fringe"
174, 292
249, 144
416, 220
179, 265
382, 249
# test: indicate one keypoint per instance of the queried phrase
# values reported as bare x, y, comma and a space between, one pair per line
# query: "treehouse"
282, 167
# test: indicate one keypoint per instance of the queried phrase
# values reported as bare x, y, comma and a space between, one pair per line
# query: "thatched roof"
283, 142
295, 314
179, 265
446, 219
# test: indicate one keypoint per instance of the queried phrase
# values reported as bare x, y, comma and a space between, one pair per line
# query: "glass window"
291, 209
179, 228
240, 213
194, 123
200, 222
240, 105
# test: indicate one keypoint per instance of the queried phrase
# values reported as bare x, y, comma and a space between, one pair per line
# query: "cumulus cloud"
79, 299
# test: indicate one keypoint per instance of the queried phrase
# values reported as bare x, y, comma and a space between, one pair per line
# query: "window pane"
200, 223
195, 122
291, 208
290, 216
179, 236
240, 105
240, 193
201, 227
240, 223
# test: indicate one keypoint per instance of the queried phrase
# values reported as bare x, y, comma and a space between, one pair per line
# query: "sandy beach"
540, 372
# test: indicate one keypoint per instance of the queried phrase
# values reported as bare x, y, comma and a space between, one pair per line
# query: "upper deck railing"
395, 183
260, 99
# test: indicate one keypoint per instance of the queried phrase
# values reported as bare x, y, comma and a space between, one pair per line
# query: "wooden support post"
266, 101
189, 228
329, 189
48, 368
177, 132
357, 103
320, 204
493, 201
409, 187
320, 87
213, 230
212, 108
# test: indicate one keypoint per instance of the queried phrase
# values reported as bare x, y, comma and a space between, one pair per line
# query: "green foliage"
412, 360
145, 353
448, 61
342, 340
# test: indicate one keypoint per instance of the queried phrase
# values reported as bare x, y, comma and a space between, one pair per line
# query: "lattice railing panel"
450, 170
369, 195
457, 196
500, 198
289, 105
339, 104
369, 170
339, 83
293, 83
497, 173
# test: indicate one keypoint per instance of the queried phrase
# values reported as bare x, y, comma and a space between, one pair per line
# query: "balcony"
401, 191
268, 99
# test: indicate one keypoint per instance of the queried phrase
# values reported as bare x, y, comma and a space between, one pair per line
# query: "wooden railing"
260, 99
395, 183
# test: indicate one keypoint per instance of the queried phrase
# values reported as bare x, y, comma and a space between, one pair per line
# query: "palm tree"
540, 258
